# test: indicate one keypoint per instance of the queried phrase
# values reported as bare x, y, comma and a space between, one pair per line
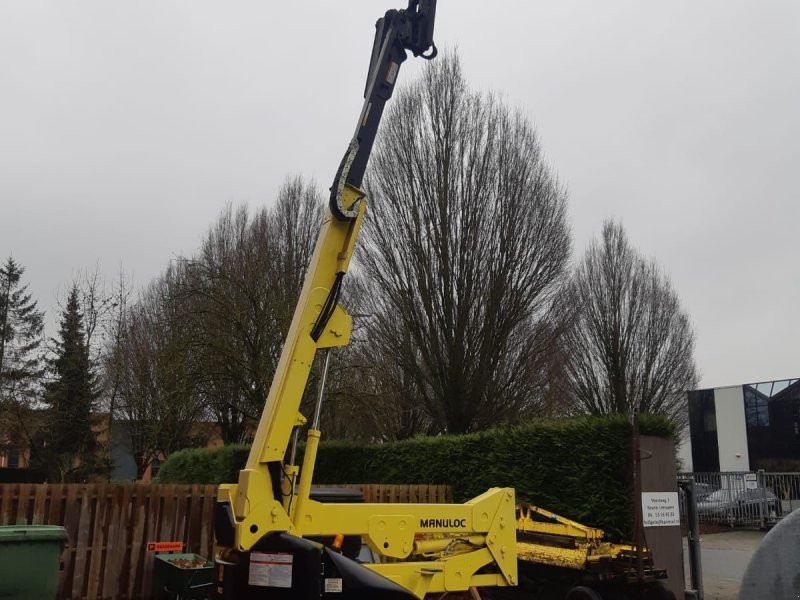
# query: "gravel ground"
725, 557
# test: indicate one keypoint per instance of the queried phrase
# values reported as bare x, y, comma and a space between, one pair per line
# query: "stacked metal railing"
744, 499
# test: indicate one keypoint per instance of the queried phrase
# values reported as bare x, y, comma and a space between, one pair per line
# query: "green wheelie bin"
30, 559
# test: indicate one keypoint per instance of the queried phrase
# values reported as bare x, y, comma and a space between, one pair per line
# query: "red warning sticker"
164, 546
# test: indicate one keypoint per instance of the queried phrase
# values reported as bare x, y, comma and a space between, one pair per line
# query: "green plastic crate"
30, 560
187, 583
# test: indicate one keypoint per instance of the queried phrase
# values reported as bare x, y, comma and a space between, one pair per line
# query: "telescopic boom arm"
319, 321
396, 32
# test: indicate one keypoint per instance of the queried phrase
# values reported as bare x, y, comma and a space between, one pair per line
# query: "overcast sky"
126, 126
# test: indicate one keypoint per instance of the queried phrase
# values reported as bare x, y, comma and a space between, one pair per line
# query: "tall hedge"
579, 468
204, 465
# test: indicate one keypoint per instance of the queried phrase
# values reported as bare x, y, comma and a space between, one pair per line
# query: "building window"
709, 420
756, 407
703, 430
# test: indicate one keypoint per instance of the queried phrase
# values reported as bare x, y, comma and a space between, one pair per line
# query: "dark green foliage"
204, 465
67, 448
579, 468
657, 425
21, 326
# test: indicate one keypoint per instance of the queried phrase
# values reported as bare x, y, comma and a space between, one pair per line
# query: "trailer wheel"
659, 592
582, 593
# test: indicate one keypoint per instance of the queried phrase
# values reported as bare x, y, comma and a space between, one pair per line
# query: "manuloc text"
444, 523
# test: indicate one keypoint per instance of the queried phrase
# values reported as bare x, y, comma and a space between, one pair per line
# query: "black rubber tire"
582, 593
659, 592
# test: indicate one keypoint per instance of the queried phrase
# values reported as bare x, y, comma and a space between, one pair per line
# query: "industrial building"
743, 428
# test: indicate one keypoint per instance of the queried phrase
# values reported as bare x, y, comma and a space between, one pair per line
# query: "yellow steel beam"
558, 526
255, 508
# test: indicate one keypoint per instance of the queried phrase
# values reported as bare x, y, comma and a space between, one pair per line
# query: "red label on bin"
164, 546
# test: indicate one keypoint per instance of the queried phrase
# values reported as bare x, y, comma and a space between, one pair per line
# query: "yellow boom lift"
262, 522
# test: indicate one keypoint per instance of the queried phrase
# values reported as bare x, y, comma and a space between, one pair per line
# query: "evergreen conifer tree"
21, 327
68, 448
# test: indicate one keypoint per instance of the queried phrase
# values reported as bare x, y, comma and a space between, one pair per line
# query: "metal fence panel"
746, 499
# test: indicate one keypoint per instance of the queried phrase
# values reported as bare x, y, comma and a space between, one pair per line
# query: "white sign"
270, 570
660, 509
751, 481
333, 585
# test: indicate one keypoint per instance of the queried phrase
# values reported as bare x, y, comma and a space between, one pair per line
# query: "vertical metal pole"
293, 468
693, 537
293, 456
638, 525
763, 485
310, 456
321, 396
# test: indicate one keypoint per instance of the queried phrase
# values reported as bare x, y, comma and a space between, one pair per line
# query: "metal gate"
744, 499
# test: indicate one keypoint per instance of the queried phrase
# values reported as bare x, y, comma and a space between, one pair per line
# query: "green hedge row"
204, 465
579, 468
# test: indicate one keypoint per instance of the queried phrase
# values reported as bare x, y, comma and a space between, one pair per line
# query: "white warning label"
270, 570
333, 585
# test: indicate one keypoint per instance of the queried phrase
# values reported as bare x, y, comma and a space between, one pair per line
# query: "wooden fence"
110, 525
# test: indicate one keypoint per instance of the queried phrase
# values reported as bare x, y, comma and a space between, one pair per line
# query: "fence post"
763, 485
692, 534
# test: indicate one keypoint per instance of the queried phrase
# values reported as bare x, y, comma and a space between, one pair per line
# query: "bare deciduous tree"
202, 342
369, 398
466, 246
242, 288
156, 401
632, 344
